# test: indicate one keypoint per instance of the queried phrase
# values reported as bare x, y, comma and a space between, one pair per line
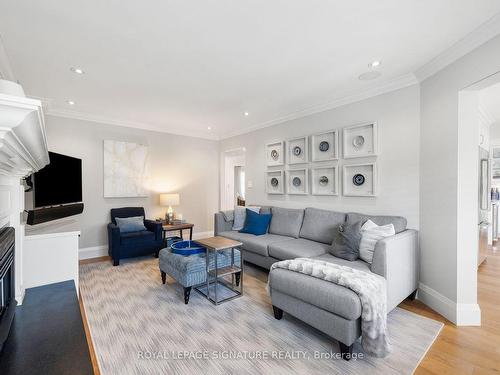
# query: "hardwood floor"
468, 350
457, 351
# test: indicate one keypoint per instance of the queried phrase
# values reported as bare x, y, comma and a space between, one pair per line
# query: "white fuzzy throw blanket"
370, 288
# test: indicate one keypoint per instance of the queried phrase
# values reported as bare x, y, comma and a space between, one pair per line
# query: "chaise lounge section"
309, 233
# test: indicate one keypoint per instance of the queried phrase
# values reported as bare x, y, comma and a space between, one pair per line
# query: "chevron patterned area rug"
139, 326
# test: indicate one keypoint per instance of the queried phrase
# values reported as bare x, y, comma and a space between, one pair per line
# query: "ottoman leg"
345, 351
187, 292
237, 277
278, 313
163, 277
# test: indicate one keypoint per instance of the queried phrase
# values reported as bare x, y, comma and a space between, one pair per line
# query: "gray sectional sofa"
309, 233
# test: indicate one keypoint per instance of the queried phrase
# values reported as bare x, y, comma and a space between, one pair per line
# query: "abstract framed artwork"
360, 180
274, 182
360, 140
275, 154
324, 146
297, 150
325, 181
125, 169
297, 181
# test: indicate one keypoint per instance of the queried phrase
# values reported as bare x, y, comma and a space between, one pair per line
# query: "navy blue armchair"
127, 245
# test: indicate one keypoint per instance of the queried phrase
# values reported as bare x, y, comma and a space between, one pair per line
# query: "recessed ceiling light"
209, 128
246, 114
70, 102
77, 70
368, 76
374, 64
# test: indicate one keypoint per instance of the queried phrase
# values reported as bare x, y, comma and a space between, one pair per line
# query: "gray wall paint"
398, 117
181, 164
442, 253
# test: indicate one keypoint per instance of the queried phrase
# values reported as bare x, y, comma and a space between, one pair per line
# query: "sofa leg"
345, 351
163, 277
278, 313
413, 295
116, 262
187, 292
237, 278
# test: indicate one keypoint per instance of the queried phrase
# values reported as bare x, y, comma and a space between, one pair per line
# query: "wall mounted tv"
59, 182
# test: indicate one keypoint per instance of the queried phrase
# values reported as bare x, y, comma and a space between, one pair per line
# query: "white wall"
181, 164
448, 281
397, 115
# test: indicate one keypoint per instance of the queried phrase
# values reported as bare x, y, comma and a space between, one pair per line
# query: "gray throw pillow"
346, 242
130, 224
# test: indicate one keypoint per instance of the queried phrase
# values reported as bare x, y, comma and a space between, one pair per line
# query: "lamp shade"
169, 199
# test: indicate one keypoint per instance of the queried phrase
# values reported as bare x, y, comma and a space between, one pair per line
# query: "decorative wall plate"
324, 181
297, 181
274, 182
360, 180
324, 146
360, 140
297, 150
275, 154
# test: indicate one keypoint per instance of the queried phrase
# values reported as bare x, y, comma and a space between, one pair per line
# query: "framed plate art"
297, 150
360, 180
297, 181
275, 154
324, 146
325, 181
274, 182
360, 140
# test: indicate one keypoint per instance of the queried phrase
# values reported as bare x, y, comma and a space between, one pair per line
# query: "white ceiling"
182, 66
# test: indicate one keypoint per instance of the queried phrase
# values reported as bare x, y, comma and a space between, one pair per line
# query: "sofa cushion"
297, 248
256, 223
357, 264
286, 221
255, 244
321, 225
320, 293
135, 238
346, 243
399, 222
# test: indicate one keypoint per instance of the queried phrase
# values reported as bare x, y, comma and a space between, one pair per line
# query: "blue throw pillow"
130, 224
256, 223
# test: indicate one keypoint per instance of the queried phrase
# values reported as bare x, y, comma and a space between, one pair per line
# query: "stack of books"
177, 221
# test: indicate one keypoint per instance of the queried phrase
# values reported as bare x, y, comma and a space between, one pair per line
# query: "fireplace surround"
7, 277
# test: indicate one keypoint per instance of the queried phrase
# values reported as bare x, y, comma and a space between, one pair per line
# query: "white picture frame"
297, 150
325, 180
325, 146
360, 140
275, 154
297, 181
271, 187
368, 187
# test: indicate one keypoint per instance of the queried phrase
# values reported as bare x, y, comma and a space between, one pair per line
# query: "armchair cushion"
136, 238
130, 224
126, 212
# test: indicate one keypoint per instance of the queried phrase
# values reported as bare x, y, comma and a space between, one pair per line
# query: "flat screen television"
59, 182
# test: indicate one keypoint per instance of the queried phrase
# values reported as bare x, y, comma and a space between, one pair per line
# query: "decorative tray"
187, 248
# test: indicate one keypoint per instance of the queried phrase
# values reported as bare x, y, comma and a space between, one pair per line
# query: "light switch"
250, 184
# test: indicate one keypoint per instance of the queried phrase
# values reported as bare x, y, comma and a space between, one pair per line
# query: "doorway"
233, 178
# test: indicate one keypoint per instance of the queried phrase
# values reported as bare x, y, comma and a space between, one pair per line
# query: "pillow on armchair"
130, 224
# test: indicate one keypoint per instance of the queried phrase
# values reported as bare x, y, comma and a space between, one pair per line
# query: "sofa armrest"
113, 241
221, 224
396, 258
156, 227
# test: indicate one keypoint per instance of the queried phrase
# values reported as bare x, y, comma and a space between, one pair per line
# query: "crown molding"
128, 124
5, 67
471, 41
352, 97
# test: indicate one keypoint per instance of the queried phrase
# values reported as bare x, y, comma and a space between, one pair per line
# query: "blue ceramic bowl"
187, 248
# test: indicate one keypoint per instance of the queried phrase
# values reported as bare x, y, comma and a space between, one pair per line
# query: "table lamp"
169, 200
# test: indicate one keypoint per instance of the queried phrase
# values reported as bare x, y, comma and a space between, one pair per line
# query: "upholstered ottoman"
190, 270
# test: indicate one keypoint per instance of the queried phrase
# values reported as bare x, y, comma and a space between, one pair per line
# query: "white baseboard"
102, 250
93, 252
461, 314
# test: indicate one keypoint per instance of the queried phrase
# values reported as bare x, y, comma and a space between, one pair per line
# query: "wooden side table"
178, 227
